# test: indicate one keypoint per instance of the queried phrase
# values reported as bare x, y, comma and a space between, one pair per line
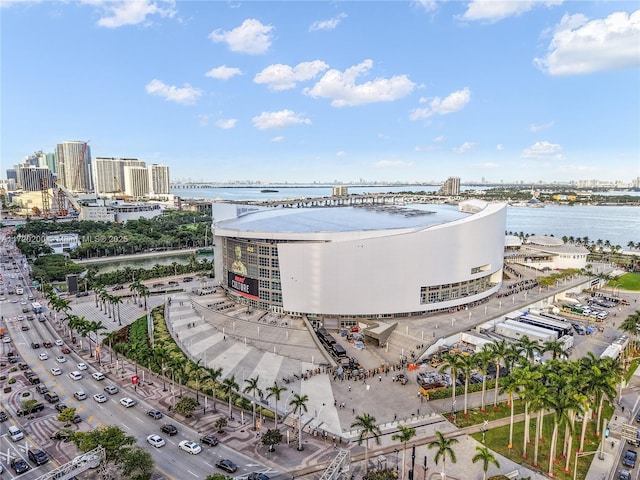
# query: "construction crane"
44, 190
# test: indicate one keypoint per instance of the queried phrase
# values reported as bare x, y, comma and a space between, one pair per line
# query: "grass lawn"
628, 281
475, 416
497, 439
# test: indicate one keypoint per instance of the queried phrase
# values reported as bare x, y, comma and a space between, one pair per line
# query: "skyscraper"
136, 181
109, 173
450, 187
158, 179
73, 165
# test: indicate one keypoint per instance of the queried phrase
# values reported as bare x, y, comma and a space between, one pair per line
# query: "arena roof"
344, 219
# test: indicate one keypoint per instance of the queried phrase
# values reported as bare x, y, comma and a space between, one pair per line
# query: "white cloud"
499, 147
580, 46
226, 123
391, 164
438, 139
118, 13
278, 139
543, 149
281, 119
485, 165
330, 24
464, 148
577, 168
187, 95
284, 77
427, 5
251, 37
341, 154
496, 10
537, 128
223, 72
454, 102
343, 91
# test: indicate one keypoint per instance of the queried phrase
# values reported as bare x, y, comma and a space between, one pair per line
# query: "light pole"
396, 452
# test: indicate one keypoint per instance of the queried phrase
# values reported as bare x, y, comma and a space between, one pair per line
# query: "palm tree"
368, 429
135, 288
143, 291
177, 365
275, 391
161, 355
229, 385
444, 446
214, 375
510, 386
487, 457
299, 404
499, 352
529, 347
404, 435
467, 364
555, 348
110, 337
483, 360
117, 300
528, 379
253, 389
93, 327
195, 373
452, 362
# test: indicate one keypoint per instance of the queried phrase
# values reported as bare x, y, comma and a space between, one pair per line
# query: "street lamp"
396, 452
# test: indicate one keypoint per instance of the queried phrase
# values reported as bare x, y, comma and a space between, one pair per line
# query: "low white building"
63, 242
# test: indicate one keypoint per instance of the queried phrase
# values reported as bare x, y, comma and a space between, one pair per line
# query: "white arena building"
359, 262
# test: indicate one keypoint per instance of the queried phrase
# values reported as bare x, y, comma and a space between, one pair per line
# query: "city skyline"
383, 91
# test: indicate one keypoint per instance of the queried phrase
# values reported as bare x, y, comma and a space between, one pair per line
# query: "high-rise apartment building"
136, 181
109, 173
31, 178
158, 179
73, 165
450, 187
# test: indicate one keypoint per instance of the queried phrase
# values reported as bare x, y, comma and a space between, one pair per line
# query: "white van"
15, 433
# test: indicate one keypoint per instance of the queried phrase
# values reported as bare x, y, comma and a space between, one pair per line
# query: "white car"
98, 376
59, 342
80, 395
111, 389
75, 375
56, 371
61, 359
127, 402
43, 356
100, 398
6, 338
155, 440
192, 447
82, 366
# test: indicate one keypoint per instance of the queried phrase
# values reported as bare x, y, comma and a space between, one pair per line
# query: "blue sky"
329, 90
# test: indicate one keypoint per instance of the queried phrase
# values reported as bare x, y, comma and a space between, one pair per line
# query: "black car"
227, 465
187, 279
209, 439
42, 389
156, 414
170, 430
77, 419
3, 416
118, 287
257, 476
19, 465
39, 457
35, 345
60, 407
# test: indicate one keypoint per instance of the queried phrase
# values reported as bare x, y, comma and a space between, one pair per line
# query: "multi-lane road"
171, 462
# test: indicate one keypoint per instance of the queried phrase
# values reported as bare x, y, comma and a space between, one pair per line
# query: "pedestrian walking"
349, 387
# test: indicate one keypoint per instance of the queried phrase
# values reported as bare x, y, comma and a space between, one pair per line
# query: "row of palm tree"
368, 429
559, 387
140, 291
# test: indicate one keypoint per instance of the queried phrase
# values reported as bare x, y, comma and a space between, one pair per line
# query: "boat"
268, 190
